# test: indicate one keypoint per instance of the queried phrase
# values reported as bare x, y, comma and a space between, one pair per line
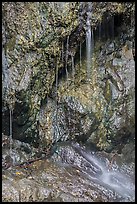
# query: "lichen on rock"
35, 43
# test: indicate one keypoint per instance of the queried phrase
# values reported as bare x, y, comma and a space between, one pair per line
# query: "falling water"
73, 76
67, 56
113, 178
88, 41
56, 86
80, 54
5, 72
80, 23
11, 140
57, 98
88, 51
73, 68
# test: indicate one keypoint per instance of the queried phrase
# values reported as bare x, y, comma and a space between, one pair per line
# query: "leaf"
18, 173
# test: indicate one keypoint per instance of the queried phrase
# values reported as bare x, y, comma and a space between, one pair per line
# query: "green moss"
107, 91
11, 44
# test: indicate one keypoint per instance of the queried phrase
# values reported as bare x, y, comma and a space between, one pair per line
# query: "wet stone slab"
61, 180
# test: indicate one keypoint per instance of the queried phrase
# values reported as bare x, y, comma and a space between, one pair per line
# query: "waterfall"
5, 72
73, 76
80, 23
67, 56
80, 54
11, 140
73, 68
56, 108
88, 41
113, 178
56, 83
88, 51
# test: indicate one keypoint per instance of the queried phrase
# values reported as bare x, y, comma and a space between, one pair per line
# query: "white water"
56, 75
89, 41
80, 54
12, 156
5, 72
115, 180
115, 183
67, 56
73, 68
88, 50
57, 94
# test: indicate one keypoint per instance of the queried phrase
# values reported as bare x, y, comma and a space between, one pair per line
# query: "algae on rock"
33, 34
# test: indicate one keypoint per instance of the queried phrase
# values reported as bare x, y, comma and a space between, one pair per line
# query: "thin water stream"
73, 69
97, 170
89, 40
5, 72
73, 76
56, 82
88, 50
80, 55
11, 138
67, 56
56, 95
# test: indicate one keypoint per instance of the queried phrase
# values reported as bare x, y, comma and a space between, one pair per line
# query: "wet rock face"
44, 108
35, 48
67, 120
79, 121
29, 43
75, 175
110, 93
21, 152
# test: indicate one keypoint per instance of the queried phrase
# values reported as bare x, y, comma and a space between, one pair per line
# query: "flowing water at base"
116, 183
113, 179
81, 175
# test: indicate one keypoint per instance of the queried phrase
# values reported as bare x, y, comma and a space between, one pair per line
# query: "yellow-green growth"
108, 91
11, 43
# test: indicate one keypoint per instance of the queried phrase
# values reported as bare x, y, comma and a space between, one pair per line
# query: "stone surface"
70, 175
47, 108
47, 99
